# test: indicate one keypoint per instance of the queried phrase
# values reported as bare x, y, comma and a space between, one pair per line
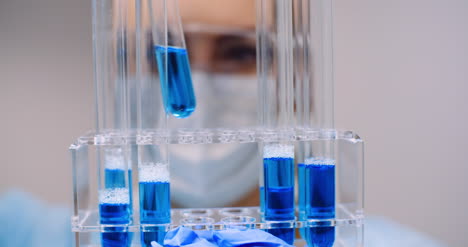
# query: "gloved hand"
253, 237
379, 232
182, 236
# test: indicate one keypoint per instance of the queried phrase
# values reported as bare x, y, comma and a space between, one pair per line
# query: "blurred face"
220, 39
220, 35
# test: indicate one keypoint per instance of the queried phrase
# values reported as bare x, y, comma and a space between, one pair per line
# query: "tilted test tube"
172, 58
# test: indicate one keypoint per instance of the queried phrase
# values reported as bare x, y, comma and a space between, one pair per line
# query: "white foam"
153, 172
278, 151
114, 196
319, 161
114, 159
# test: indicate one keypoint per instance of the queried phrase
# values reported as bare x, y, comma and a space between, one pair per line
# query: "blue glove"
26, 221
253, 237
379, 232
182, 236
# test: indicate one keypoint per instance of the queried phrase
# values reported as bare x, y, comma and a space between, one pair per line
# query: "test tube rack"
349, 190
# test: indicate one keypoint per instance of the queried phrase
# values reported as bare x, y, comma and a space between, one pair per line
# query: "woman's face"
220, 35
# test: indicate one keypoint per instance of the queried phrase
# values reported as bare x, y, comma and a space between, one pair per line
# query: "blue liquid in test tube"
115, 200
278, 163
176, 85
114, 209
155, 206
317, 189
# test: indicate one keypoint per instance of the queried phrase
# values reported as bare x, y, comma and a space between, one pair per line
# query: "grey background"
401, 79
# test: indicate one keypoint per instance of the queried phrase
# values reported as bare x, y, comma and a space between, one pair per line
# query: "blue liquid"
279, 194
317, 188
116, 213
113, 214
114, 178
155, 208
130, 187
262, 199
177, 90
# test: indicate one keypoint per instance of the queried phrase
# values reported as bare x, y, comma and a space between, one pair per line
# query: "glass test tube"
316, 179
113, 63
114, 197
275, 95
317, 189
278, 162
155, 206
169, 48
153, 166
314, 106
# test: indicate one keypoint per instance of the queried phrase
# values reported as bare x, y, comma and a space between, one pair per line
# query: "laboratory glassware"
114, 196
275, 96
172, 58
314, 101
153, 166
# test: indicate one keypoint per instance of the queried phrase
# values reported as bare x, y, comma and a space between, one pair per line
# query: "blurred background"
400, 82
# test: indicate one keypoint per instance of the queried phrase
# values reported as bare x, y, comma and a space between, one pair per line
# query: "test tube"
153, 165
314, 106
318, 191
170, 50
114, 197
278, 162
113, 34
275, 95
155, 206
